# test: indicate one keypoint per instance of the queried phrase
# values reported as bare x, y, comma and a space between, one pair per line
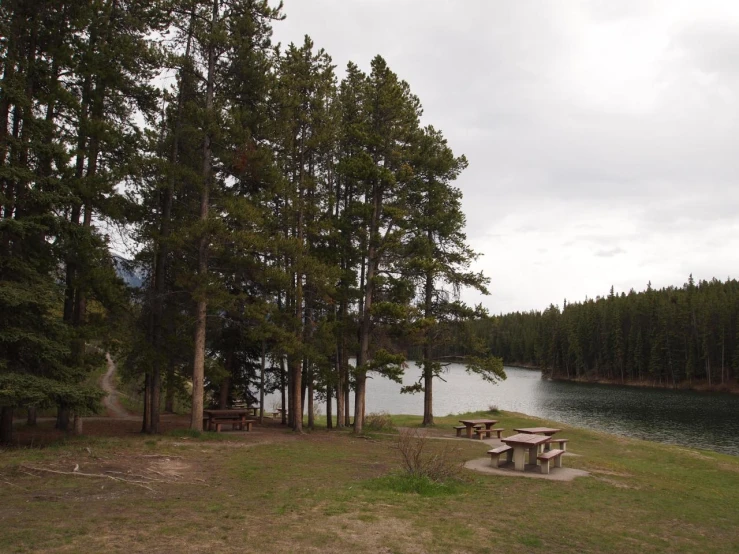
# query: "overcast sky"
601, 135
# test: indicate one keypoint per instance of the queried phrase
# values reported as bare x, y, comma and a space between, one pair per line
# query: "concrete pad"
482, 465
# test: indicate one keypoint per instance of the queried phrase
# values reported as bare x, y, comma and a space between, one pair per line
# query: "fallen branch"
94, 475
13, 485
159, 456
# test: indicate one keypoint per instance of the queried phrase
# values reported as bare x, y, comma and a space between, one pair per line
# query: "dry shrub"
419, 461
378, 421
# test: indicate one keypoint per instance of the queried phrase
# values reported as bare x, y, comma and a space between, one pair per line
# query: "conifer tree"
438, 257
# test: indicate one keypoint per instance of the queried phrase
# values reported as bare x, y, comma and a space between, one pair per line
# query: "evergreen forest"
668, 337
278, 220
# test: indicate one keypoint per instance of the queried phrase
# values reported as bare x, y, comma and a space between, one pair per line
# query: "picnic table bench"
213, 420
472, 424
548, 456
479, 431
562, 443
496, 452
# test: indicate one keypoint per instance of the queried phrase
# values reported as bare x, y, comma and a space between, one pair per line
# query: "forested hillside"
281, 219
671, 336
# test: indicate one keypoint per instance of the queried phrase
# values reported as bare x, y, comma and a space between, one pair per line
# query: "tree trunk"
428, 395
6, 425
428, 373
160, 259
77, 425
155, 398
329, 409
364, 336
62, 418
261, 382
223, 393
283, 375
290, 392
339, 389
31, 416
201, 310
169, 397
311, 415
146, 422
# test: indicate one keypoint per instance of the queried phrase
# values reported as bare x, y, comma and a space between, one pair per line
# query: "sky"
602, 136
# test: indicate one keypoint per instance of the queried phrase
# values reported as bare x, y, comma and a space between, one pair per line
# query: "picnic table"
523, 442
214, 419
470, 424
244, 406
548, 431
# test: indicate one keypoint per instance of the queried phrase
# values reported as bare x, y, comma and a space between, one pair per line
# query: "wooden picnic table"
215, 418
470, 424
523, 442
243, 406
548, 431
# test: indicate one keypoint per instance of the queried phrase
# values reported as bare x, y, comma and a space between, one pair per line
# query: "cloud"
610, 252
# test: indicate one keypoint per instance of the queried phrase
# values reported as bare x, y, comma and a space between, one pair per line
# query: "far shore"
697, 386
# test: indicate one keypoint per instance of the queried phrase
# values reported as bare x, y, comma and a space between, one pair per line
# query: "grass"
274, 491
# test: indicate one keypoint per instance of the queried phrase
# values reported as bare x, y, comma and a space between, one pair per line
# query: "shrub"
493, 409
418, 460
378, 421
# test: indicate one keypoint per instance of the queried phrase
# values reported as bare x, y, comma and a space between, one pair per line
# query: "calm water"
702, 420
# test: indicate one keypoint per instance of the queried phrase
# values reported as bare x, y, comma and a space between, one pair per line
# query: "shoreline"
700, 386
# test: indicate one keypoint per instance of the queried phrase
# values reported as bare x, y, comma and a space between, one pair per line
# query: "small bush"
418, 461
380, 421
493, 409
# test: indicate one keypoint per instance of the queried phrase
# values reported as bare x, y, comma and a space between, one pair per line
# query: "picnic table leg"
533, 453
469, 431
519, 458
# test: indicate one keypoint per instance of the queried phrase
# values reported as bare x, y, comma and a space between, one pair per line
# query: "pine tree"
438, 258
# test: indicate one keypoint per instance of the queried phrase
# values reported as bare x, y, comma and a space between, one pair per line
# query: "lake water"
702, 420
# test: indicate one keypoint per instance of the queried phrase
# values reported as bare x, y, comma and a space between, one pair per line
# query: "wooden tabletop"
478, 421
217, 413
538, 430
526, 439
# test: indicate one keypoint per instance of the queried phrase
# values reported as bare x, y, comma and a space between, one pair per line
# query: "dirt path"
111, 402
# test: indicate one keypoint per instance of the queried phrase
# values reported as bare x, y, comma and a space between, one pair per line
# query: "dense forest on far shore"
683, 336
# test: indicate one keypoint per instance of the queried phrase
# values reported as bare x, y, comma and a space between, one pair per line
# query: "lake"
702, 420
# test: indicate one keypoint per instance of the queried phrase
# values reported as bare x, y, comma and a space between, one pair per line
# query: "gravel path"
111, 402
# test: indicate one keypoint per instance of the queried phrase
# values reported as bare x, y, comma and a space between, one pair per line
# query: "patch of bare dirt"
139, 470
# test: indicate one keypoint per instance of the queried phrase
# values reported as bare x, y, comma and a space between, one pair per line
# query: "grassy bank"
274, 491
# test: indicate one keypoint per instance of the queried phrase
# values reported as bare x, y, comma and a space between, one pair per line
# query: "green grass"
412, 484
333, 492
